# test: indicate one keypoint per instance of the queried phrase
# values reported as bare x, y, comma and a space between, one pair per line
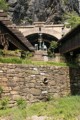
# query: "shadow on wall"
75, 80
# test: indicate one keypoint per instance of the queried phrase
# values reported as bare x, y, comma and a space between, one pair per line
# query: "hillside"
28, 11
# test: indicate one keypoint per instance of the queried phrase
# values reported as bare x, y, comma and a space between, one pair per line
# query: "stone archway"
46, 38
52, 29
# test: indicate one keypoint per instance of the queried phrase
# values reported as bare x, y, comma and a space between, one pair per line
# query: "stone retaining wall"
34, 83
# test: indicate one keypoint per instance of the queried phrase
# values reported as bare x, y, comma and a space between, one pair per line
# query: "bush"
23, 54
1, 52
21, 103
53, 46
3, 5
72, 18
1, 91
4, 103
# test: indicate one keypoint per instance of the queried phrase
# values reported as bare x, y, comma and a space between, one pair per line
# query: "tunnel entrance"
41, 40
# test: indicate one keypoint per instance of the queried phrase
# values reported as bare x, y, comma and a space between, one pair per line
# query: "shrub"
23, 54
1, 91
1, 52
3, 5
21, 103
4, 103
53, 46
72, 19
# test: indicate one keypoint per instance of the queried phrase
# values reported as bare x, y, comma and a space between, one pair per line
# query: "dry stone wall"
34, 83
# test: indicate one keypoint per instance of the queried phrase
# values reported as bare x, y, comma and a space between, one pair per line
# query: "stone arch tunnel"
46, 38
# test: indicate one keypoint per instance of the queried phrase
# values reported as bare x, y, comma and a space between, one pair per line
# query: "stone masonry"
34, 83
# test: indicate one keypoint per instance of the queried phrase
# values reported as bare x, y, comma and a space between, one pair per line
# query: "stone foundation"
35, 83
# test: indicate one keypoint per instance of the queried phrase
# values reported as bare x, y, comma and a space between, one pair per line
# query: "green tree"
53, 46
72, 18
3, 5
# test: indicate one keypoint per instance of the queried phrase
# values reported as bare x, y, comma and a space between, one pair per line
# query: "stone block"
7, 94
15, 97
1, 71
11, 71
4, 79
16, 88
35, 91
6, 88
31, 85
52, 82
13, 92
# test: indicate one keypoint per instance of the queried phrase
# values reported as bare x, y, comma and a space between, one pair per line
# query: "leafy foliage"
3, 5
72, 18
23, 54
21, 103
1, 90
26, 54
4, 103
53, 46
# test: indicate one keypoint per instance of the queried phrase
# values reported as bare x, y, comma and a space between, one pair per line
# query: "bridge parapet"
53, 30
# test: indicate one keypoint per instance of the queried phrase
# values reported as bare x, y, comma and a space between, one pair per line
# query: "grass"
67, 108
16, 60
10, 60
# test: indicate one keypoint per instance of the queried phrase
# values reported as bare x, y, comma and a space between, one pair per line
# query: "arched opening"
45, 38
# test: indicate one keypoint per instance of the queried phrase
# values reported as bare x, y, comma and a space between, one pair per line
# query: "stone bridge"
55, 30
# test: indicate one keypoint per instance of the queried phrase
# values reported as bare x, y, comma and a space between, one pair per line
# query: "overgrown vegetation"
16, 60
3, 5
21, 103
4, 103
53, 46
1, 91
24, 57
73, 19
67, 108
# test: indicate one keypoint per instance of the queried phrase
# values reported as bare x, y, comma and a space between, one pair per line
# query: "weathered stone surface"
4, 79
23, 81
1, 71
35, 91
15, 97
13, 92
